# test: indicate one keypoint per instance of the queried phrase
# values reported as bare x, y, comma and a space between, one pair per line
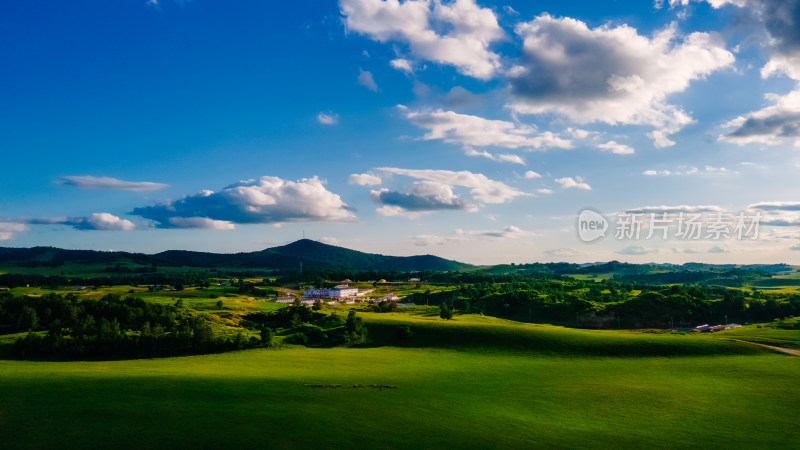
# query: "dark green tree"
403, 333
103, 329
335, 319
296, 320
202, 334
239, 341
114, 328
28, 319
267, 336
83, 327
444, 311
356, 330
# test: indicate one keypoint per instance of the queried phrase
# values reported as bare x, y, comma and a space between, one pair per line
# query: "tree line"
608, 303
303, 325
112, 327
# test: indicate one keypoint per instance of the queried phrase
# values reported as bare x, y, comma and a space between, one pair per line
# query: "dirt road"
788, 351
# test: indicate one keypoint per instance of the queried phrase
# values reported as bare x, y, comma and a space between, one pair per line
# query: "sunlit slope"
472, 382
489, 334
444, 398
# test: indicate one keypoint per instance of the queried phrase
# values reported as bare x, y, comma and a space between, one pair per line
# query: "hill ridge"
311, 254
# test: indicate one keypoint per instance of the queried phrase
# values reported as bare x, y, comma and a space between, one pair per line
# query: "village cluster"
342, 294
706, 328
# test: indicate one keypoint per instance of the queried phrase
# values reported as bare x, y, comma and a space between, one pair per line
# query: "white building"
340, 291
316, 292
391, 298
344, 291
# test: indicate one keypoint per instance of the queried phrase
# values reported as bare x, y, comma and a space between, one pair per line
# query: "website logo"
591, 225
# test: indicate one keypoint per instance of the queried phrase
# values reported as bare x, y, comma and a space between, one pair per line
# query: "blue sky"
473, 130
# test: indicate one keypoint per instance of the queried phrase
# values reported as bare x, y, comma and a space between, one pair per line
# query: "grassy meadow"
474, 382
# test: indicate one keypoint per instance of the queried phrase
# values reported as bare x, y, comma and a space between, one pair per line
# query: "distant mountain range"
311, 254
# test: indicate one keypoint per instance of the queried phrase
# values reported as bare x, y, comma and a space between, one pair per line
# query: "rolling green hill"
473, 382
311, 254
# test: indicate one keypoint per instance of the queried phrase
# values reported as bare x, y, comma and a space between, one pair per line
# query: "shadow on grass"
548, 342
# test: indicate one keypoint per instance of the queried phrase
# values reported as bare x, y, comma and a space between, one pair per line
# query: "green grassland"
77, 270
770, 334
91, 270
194, 297
473, 382
779, 284
224, 320
593, 276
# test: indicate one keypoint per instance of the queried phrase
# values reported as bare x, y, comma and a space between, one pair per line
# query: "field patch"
260, 398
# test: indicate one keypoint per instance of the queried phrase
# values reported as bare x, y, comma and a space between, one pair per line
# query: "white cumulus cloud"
684, 170
9, 229
616, 148
770, 125
482, 188
780, 121
200, 222
328, 118
776, 206
366, 79
402, 65
106, 221
364, 179
475, 131
96, 221
264, 200
458, 33
420, 197
500, 157
569, 182
610, 74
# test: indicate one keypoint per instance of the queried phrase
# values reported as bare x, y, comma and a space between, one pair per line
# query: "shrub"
267, 336
297, 338
444, 311
403, 333
386, 306
356, 329
314, 333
